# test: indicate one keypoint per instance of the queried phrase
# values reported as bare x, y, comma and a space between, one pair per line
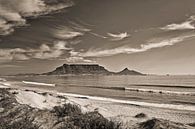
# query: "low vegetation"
140, 115
75, 119
19, 116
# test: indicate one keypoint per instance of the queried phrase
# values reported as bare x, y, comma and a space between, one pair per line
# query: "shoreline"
126, 112
108, 99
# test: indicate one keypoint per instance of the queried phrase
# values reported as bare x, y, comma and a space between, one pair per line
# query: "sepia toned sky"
151, 36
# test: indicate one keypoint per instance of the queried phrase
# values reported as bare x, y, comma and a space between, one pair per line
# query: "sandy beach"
128, 114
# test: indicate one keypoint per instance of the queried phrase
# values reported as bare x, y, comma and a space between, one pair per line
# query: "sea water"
178, 91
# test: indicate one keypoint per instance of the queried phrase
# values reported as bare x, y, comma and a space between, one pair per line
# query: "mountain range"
89, 69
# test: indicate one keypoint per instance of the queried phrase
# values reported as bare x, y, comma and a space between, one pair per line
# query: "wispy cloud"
84, 22
187, 25
98, 35
14, 12
46, 52
70, 31
79, 27
129, 50
117, 37
78, 60
43, 52
111, 36
67, 34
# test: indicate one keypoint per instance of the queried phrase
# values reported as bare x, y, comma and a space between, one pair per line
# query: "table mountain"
88, 69
79, 69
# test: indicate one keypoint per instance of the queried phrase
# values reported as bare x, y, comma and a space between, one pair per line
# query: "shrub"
94, 120
75, 119
66, 110
21, 124
140, 115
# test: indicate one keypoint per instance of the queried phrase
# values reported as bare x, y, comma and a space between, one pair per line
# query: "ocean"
174, 90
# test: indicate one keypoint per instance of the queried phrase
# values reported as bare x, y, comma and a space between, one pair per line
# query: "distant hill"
126, 71
88, 69
79, 69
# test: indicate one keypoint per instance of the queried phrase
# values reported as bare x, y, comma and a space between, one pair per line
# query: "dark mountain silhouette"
79, 69
88, 69
126, 71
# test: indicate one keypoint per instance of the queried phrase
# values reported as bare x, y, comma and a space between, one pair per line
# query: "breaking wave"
139, 103
160, 91
168, 86
141, 90
4, 83
3, 80
39, 83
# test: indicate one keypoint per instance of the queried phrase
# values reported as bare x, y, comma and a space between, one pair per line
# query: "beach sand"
124, 113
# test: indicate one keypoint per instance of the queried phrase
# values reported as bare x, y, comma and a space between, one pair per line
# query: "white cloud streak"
129, 50
79, 27
79, 59
187, 25
111, 36
117, 37
67, 34
43, 52
14, 12
98, 35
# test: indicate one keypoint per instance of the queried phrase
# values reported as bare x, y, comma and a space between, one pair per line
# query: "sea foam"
147, 104
39, 83
160, 91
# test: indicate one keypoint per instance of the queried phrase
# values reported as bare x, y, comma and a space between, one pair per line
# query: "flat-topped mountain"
88, 69
126, 71
80, 69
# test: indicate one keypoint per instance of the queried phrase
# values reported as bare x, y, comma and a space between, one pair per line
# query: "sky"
151, 36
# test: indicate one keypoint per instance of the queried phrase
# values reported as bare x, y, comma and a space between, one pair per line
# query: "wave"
39, 83
141, 90
139, 103
183, 102
101, 87
3, 80
160, 91
4, 83
168, 86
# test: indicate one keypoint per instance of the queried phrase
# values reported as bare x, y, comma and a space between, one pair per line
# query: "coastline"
124, 113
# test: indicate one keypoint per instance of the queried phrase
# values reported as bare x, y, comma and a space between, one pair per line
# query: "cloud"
117, 37
129, 50
79, 60
187, 25
98, 35
183, 26
46, 52
70, 31
111, 36
43, 52
14, 12
79, 27
67, 34
74, 58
